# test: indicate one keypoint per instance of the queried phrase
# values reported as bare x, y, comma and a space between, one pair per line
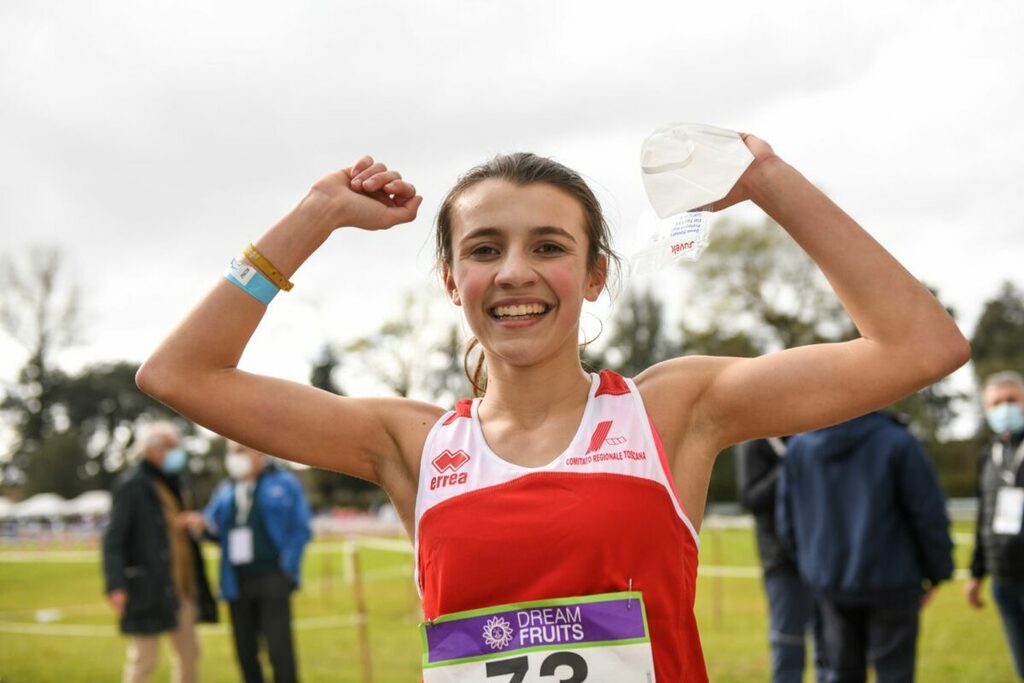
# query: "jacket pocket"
139, 585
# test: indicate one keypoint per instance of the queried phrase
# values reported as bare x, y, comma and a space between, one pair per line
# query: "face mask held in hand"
685, 168
689, 165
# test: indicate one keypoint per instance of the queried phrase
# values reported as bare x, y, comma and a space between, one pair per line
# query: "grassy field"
55, 626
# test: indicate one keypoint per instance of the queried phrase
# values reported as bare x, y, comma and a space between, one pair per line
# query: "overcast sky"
153, 140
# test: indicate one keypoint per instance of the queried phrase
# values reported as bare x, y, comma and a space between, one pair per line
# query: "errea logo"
449, 462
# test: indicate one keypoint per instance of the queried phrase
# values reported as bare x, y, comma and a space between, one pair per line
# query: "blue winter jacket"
859, 506
281, 503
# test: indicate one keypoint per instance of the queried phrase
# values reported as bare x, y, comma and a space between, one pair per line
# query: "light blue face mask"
174, 460
1006, 418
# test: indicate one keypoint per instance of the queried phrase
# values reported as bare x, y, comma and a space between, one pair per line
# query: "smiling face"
519, 269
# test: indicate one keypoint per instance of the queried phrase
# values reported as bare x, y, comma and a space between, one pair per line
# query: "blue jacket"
282, 504
860, 508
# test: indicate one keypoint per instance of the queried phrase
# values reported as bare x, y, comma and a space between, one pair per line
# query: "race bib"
1009, 510
594, 638
240, 549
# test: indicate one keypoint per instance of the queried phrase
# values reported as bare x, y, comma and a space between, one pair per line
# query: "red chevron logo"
450, 461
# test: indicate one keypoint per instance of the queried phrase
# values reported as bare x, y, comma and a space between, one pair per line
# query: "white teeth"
519, 310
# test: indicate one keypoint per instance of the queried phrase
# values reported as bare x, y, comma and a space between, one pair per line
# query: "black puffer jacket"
136, 555
1001, 555
758, 466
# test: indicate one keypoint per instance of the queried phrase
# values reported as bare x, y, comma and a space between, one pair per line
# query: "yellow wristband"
267, 268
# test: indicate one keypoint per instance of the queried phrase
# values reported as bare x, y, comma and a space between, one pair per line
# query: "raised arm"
907, 339
194, 370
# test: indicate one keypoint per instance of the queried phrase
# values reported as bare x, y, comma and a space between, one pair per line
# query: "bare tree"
39, 309
39, 302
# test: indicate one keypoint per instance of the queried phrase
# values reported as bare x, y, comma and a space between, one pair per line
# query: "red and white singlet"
601, 518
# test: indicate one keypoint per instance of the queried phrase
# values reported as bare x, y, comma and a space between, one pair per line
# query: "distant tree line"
753, 292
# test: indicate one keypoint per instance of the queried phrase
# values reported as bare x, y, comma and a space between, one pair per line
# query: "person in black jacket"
860, 506
155, 578
790, 604
999, 536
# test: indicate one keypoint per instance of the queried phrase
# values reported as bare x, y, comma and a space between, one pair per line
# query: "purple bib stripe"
573, 622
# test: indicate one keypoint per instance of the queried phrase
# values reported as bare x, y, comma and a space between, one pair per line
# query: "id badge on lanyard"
1009, 510
240, 546
241, 549
592, 638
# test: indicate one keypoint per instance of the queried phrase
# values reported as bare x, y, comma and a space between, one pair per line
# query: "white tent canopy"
40, 505
89, 503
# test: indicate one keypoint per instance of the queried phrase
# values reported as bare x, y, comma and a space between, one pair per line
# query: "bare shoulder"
682, 374
672, 392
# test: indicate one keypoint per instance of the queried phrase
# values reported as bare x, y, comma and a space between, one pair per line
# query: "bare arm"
907, 339
195, 369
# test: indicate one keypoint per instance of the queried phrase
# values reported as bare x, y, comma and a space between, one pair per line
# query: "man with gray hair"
155, 578
999, 536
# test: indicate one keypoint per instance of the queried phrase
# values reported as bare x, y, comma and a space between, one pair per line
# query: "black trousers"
882, 636
263, 609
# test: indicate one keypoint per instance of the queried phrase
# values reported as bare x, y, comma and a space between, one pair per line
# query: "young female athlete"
579, 493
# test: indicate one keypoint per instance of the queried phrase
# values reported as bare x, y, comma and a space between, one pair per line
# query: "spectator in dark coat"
155, 578
790, 604
999, 540
861, 508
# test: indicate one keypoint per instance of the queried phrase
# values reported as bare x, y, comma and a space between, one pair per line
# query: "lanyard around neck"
1008, 474
244, 493
778, 445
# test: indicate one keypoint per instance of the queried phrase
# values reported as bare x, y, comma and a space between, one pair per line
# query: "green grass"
956, 643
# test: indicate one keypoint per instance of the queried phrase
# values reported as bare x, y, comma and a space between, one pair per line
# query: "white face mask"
238, 466
690, 165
